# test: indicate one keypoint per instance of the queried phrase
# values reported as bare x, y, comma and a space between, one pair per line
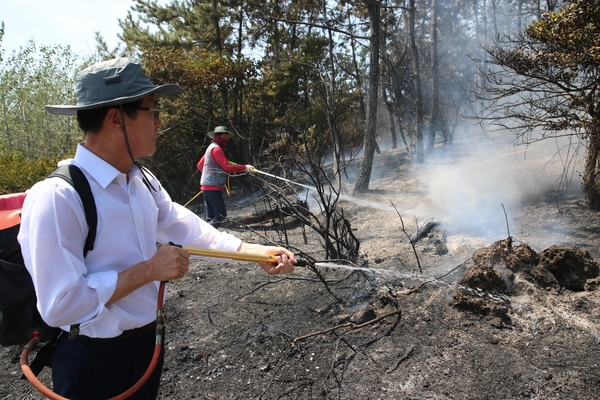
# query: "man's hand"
284, 266
285, 258
250, 168
169, 262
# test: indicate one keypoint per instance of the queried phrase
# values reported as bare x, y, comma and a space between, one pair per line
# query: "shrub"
18, 174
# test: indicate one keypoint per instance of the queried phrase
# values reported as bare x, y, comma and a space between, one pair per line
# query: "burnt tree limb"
423, 231
435, 234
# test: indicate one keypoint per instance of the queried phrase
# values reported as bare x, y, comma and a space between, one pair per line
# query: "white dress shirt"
131, 221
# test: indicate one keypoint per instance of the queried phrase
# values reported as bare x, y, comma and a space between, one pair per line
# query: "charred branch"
349, 325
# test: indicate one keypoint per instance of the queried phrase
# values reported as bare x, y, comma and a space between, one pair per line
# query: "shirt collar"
97, 168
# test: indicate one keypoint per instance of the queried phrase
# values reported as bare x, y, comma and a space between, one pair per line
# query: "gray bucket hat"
110, 83
219, 130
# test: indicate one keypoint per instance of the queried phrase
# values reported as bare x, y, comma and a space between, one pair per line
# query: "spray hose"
160, 328
236, 255
257, 171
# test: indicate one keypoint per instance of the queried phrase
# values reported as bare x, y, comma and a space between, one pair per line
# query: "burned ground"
500, 317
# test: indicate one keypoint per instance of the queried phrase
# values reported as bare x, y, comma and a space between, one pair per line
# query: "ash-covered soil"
498, 314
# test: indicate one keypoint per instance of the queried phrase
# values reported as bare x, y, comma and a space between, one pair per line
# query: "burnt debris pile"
501, 271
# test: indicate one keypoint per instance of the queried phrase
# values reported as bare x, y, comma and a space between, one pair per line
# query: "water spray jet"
340, 196
303, 262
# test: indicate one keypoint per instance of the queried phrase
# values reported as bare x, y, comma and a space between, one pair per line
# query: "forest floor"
491, 318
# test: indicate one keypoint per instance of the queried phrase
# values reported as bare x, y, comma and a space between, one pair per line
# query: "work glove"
250, 168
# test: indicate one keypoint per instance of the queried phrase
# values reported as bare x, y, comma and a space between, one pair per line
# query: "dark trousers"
214, 207
87, 369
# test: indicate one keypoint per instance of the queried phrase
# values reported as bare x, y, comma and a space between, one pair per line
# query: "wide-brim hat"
220, 130
109, 83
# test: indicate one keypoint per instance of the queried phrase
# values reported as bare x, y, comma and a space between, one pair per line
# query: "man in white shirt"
111, 293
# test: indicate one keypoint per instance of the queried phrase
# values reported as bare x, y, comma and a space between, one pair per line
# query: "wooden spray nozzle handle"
236, 255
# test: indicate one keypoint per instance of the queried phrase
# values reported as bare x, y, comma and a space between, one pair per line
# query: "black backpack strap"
72, 174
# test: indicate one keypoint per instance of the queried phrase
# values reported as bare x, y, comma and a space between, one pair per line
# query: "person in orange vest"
214, 168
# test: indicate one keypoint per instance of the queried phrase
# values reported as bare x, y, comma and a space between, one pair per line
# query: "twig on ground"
261, 286
334, 363
404, 357
350, 325
324, 281
408, 237
276, 368
506, 219
209, 317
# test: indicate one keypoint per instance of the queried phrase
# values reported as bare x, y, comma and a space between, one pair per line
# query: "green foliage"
29, 80
197, 70
189, 116
565, 46
17, 174
278, 109
32, 141
571, 36
554, 68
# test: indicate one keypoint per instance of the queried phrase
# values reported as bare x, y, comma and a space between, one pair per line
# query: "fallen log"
436, 235
299, 207
423, 231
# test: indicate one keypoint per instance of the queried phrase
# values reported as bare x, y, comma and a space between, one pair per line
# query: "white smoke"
478, 185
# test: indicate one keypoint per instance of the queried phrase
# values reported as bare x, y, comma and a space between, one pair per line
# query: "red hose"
40, 387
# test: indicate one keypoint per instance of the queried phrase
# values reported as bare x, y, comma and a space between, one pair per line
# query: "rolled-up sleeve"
179, 225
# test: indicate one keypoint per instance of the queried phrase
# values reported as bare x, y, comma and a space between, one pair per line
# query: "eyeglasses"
156, 111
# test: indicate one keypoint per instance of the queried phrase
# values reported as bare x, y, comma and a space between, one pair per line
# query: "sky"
66, 22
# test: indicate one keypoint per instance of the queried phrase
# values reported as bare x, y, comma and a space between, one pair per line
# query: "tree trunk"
435, 97
330, 90
361, 102
417, 82
591, 184
494, 18
238, 94
219, 47
366, 165
519, 15
390, 110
